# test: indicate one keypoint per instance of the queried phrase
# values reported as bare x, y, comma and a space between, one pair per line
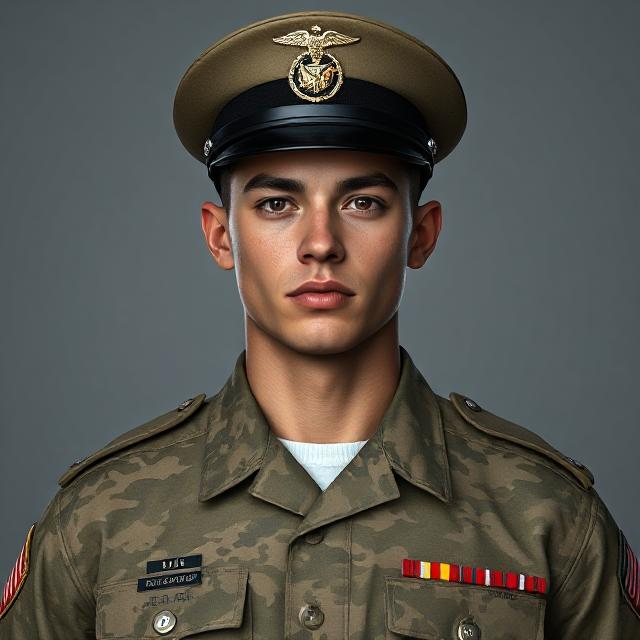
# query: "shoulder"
144, 433
465, 417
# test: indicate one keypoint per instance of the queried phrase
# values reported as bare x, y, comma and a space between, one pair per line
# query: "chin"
313, 344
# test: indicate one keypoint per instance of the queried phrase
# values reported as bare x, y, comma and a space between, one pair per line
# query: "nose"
320, 239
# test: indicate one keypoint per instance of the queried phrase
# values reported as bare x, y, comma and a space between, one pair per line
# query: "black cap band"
365, 117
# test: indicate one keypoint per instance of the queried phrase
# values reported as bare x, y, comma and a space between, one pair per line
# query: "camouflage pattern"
429, 485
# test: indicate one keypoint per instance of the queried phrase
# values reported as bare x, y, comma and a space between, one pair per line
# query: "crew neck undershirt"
323, 461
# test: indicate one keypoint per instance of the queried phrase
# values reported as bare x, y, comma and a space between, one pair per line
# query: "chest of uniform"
244, 568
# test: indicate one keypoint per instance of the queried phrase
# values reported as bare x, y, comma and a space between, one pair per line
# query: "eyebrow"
378, 179
277, 183
265, 181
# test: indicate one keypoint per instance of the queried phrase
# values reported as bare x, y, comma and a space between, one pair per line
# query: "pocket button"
468, 630
164, 622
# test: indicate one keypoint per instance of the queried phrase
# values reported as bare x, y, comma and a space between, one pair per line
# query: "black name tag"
171, 580
174, 564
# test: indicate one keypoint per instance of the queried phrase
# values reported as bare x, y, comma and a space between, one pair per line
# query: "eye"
274, 205
364, 203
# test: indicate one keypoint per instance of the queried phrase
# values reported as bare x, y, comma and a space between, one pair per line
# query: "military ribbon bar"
472, 575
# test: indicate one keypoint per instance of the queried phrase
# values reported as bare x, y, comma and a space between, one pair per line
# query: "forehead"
326, 165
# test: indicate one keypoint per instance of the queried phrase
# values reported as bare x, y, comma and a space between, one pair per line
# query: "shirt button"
164, 622
468, 630
311, 617
314, 537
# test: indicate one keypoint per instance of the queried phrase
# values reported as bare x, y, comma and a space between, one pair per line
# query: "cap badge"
315, 75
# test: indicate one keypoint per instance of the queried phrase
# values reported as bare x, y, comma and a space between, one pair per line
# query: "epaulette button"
184, 404
472, 404
575, 463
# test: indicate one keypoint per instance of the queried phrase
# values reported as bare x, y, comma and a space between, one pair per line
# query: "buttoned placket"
409, 442
365, 482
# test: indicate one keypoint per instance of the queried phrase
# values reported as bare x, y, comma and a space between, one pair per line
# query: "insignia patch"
629, 573
18, 575
315, 75
472, 575
171, 580
171, 564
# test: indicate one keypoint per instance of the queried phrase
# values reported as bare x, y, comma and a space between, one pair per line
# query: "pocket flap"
218, 602
433, 610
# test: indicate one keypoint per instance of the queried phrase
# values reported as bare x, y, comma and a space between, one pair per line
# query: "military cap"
319, 80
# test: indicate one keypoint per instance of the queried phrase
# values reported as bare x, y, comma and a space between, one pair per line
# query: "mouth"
322, 299
321, 287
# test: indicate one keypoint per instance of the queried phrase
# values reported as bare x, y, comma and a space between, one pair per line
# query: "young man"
325, 491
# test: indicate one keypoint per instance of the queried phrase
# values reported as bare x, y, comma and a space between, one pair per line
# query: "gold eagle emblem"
315, 75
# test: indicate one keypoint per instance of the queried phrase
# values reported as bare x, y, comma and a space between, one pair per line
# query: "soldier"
325, 491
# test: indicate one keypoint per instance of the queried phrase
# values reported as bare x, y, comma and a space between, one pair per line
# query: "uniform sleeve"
51, 603
596, 599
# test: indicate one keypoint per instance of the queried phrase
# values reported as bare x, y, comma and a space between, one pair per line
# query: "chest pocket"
435, 610
220, 605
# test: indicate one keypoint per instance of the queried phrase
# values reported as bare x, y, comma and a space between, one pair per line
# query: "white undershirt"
323, 462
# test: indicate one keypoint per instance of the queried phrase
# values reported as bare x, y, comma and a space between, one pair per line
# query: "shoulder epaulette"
151, 428
496, 426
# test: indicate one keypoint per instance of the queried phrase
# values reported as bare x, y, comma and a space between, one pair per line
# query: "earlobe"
214, 222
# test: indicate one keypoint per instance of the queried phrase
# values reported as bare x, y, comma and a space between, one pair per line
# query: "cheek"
258, 264
380, 260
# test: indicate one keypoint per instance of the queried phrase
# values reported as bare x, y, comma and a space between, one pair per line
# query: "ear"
427, 222
216, 234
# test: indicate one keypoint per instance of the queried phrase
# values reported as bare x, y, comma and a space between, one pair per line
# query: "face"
297, 216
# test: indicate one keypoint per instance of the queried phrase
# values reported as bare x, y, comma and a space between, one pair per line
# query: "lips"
315, 286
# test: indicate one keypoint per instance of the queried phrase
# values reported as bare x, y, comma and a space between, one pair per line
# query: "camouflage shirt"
201, 523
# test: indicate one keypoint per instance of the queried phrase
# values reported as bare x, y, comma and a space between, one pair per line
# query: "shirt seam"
84, 591
572, 565
119, 455
542, 460
347, 622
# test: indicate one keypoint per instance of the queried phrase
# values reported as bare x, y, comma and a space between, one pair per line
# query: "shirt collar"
409, 441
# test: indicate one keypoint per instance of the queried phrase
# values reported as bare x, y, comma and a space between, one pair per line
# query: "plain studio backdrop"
113, 312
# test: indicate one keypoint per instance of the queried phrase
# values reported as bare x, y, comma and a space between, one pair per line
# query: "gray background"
113, 312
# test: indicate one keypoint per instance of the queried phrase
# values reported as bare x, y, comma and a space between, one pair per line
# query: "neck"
320, 397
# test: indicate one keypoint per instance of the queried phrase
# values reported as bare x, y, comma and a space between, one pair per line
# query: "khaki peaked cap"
383, 55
